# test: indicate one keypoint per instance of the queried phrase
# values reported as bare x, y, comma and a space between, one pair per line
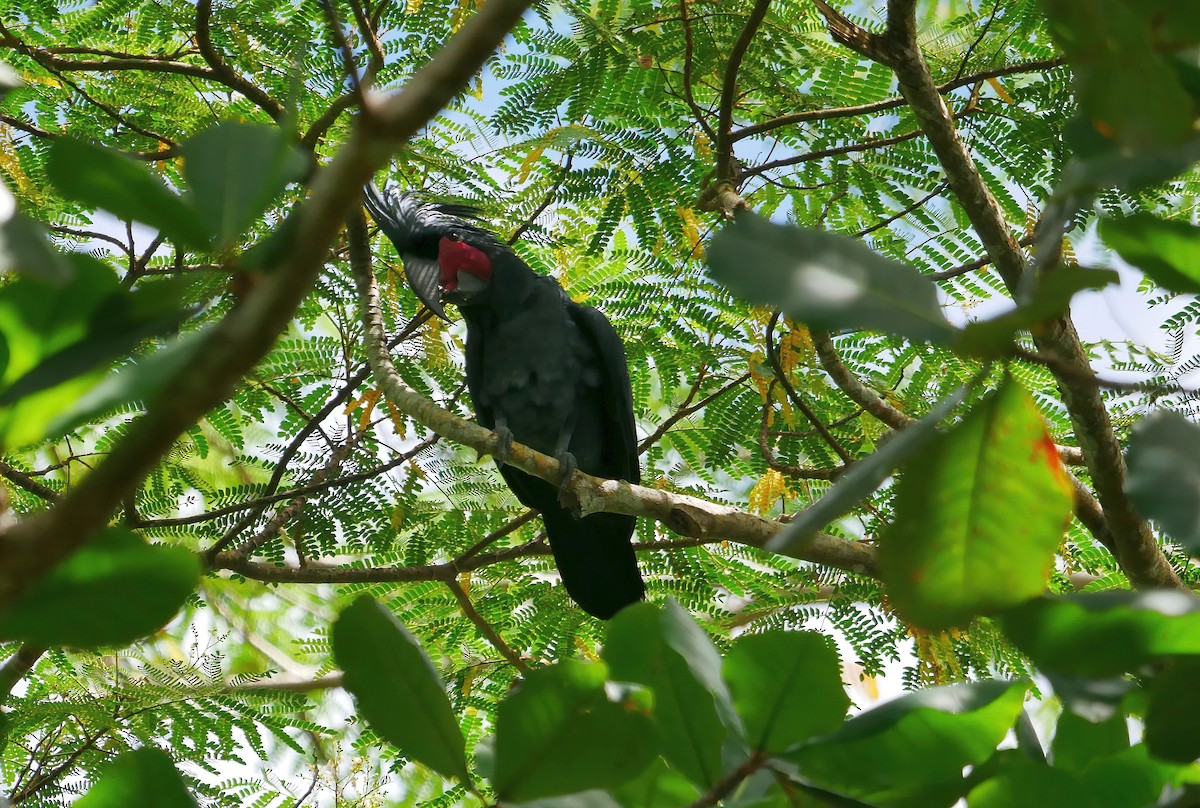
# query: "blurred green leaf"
1167, 251
23, 246
564, 729
398, 690
786, 686
9, 79
234, 171
1127, 90
1105, 633
1077, 741
112, 591
585, 799
139, 381
102, 178
118, 323
142, 777
980, 512
912, 751
60, 342
659, 786
663, 649
863, 478
1164, 475
1051, 298
825, 280
1022, 782
1172, 729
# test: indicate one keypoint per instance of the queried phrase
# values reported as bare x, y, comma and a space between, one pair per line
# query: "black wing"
618, 394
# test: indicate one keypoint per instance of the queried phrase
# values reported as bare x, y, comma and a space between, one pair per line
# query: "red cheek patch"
458, 256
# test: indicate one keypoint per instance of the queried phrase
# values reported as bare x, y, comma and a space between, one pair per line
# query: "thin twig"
485, 628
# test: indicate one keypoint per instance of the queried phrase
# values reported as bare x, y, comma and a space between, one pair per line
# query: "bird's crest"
405, 216
408, 218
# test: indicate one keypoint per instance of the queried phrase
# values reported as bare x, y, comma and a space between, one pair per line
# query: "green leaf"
1078, 742
1023, 782
60, 342
23, 245
912, 751
234, 171
1172, 731
585, 799
786, 686
1051, 298
825, 280
112, 591
9, 79
139, 381
1124, 779
665, 650
1105, 633
143, 777
1127, 90
120, 322
101, 178
398, 690
1164, 475
659, 786
1167, 251
565, 730
979, 515
863, 478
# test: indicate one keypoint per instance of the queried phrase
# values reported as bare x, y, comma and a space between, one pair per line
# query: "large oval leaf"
398, 690
914, 747
825, 280
980, 513
665, 650
1164, 475
786, 686
102, 178
1105, 633
144, 777
566, 729
112, 591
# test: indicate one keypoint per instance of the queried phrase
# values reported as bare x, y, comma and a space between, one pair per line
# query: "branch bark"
1138, 551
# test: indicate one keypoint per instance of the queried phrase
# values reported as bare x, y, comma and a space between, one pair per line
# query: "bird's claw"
503, 437
567, 466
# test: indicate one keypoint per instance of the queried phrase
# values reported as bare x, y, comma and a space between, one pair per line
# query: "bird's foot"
503, 438
567, 466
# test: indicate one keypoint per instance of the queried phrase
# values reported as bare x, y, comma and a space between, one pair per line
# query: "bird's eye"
455, 237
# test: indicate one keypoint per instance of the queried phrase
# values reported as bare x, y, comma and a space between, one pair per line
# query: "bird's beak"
424, 278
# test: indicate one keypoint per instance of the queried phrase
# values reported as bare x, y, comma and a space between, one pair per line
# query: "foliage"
837, 354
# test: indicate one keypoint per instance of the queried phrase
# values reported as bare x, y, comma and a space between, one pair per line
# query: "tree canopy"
253, 551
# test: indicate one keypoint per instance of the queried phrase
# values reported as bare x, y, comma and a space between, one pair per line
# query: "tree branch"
16, 667
31, 547
486, 628
1139, 554
724, 145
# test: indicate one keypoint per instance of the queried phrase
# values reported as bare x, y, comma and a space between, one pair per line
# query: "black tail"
596, 560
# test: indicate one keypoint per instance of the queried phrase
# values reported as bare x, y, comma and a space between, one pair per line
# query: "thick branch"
725, 167
16, 666
1139, 553
31, 547
222, 72
892, 103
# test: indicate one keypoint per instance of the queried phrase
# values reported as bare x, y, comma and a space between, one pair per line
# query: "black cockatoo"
542, 370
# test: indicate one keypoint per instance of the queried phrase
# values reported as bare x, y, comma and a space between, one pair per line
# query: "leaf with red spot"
979, 515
